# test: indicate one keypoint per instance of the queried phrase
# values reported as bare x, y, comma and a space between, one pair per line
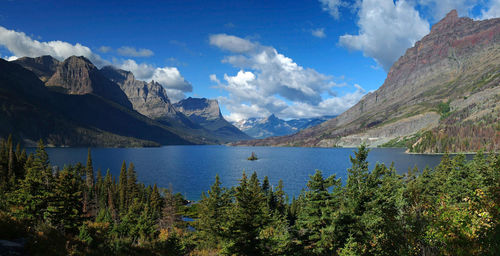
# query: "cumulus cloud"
319, 33
492, 11
132, 52
386, 30
19, 44
169, 77
269, 82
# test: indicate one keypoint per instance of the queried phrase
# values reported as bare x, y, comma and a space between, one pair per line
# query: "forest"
453, 209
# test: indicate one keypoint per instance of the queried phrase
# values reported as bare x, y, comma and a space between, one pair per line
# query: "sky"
294, 59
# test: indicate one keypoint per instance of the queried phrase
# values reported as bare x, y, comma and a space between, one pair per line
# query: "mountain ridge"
456, 60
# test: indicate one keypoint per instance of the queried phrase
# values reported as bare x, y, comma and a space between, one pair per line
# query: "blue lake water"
192, 169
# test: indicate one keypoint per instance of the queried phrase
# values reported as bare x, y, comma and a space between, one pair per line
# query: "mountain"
149, 99
43, 67
273, 126
30, 111
206, 113
443, 94
77, 75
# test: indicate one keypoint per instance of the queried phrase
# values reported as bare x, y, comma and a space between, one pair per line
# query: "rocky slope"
260, 128
30, 111
77, 75
454, 65
206, 113
149, 99
44, 67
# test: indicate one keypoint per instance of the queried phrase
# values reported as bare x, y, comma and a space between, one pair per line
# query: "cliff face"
75, 75
149, 99
457, 59
30, 111
206, 112
43, 67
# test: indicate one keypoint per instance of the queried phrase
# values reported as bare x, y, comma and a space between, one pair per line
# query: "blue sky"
291, 58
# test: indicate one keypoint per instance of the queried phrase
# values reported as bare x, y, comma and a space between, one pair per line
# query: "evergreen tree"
248, 217
315, 216
64, 209
122, 188
34, 190
132, 187
213, 218
89, 172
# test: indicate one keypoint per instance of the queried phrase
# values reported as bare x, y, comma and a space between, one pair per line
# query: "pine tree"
213, 218
34, 189
132, 187
64, 209
122, 188
155, 201
315, 217
249, 217
89, 172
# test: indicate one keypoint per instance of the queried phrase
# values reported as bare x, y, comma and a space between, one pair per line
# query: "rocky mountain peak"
207, 108
43, 67
77, 75
149, 99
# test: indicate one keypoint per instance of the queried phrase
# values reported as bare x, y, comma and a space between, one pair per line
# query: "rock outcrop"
75, 75
457, 59
43, 67
149, 99
206, 112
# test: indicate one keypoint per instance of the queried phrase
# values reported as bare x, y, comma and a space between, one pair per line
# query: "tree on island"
253, 157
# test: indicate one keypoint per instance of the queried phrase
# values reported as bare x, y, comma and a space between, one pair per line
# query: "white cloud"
132, 52
269, 82
386, 30
169, 77
105, 49
320, 32
439, 8
214, 78
492, 11
333, 6
10, 58
231, 43
19, 44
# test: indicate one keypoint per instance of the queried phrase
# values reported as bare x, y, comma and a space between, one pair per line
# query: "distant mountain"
30, 111
443, 94
260, 128
206, 113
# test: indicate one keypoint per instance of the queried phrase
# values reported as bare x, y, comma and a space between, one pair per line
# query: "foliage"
453, 209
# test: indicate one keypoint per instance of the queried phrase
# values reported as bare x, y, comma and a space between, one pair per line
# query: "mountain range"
442, 95
73, 103
270, 126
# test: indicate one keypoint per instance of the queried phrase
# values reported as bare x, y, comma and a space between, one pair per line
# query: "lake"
192, 169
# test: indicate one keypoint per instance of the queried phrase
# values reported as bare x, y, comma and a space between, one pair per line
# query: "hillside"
30, 111
441, 95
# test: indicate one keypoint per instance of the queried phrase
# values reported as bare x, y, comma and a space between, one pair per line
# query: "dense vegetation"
450, 210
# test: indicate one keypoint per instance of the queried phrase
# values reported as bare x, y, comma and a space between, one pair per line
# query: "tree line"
453, 209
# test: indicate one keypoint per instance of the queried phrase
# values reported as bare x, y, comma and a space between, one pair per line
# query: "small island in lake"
253, 157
